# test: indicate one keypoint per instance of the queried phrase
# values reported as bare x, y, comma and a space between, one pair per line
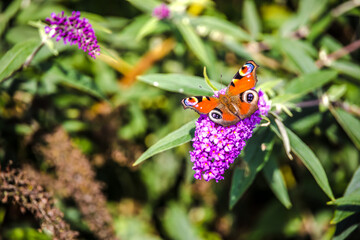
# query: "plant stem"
207, 80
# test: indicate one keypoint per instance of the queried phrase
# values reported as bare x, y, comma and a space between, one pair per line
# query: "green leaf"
177, 224
349, 123
71, 78
350, 199
255, 159
342, 213
15, 57
237, 48
189, 85
176, 138
347, 68
309, 159
276, 181
148, 28
251, 18
10, 11
320, 27
223, 26
145, 6
309, 82
284, 137
344, 234
193, 41
296, 52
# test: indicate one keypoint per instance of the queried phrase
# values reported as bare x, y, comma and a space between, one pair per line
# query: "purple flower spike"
73, 30
216, 147
161, 12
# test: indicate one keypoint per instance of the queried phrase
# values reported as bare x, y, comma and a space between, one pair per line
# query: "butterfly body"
238, 102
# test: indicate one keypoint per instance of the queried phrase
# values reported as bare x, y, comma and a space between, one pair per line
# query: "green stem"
207, 80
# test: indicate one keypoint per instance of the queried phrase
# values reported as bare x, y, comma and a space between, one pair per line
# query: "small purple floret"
73, 30
216, 147
162, 11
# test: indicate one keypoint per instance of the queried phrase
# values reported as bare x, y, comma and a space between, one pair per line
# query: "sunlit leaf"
349, 123
223, 26
149, 27
251, 18
176, 138
309, 82
285, 138
347, 68
15, 57
298, 55
237, 48
311, 162
146, 6
255, 159
276, 181
193, 41
350, 199
189, 85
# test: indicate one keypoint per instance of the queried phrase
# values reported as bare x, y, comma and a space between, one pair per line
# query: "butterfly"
239, 101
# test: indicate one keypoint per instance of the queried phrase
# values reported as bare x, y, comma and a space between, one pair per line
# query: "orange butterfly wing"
239, 92
201, 104
244, 79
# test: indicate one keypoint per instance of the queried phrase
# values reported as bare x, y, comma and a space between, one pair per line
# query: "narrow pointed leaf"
189, 85
146, 6
276, 181
251, 18
347, 68
298, 55
173, 139
255, 159
342, 213
74, 79
194, 42
350, 199
223, 26
15, 57
310, 82
177, 224
349, 123
285, 138
311, 162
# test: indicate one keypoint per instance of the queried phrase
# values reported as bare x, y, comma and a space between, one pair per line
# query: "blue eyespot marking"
246, 69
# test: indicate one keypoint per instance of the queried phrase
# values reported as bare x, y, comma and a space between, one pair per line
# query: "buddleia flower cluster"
73, 30
216, 147
162, 11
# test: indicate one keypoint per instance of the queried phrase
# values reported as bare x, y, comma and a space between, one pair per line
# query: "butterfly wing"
200, 104
240, 90
244, 79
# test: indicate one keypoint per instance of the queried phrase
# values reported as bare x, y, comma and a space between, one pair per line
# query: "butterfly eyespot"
215, 115
191, 101
250, 96
246, 69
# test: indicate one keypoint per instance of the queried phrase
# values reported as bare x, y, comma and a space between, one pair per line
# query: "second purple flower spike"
73, 30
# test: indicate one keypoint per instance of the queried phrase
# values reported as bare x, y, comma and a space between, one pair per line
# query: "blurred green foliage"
125, 107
